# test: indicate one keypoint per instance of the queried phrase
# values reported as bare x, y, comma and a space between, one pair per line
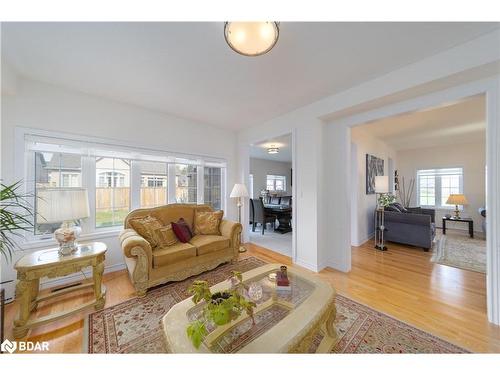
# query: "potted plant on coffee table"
219, 308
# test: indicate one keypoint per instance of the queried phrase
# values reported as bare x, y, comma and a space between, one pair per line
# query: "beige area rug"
134, 326
460, 251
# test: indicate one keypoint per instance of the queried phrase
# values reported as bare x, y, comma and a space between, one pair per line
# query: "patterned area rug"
460, 251
134, 326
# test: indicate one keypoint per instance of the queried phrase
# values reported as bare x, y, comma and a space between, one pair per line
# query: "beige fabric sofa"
148, 267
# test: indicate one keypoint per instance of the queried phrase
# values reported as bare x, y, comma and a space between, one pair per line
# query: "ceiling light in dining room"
273, 150
251, 38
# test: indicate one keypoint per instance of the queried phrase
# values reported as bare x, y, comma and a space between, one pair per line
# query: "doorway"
271, 210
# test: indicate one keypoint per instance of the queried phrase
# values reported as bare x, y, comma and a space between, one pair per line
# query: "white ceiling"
187, 69
259, 150
454, 123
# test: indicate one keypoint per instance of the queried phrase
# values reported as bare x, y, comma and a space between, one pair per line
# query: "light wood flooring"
402, 282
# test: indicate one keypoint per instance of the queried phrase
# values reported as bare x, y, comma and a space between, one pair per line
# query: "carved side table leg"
23, 296
98, 270
35, 287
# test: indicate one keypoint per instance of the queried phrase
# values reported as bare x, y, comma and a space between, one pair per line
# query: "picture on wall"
374, 167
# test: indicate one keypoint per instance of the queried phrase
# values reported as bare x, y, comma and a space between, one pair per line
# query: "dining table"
283, 214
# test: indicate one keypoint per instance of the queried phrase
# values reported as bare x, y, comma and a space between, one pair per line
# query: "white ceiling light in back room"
273, 150
251, 38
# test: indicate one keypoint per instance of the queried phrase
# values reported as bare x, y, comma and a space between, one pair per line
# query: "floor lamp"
239, 191
381, 187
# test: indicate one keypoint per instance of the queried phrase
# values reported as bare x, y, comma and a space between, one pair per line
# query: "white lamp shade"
381, 184
239, 191
54, 205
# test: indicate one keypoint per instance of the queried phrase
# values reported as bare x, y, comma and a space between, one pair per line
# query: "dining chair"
261, 215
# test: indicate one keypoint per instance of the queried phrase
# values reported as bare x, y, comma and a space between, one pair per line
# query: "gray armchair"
415, 227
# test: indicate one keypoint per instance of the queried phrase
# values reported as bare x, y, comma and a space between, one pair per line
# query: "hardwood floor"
402, 282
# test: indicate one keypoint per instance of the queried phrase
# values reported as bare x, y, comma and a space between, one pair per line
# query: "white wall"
260, 168
470, 156
42, 106
366, 203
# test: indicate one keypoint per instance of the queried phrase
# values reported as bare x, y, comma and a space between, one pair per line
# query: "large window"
276, 183
213, 187
186, 183
112, 202
434, 186
154, 179
54, 169
118, 179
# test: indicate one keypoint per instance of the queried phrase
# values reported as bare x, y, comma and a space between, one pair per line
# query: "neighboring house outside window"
434, 186
112, 191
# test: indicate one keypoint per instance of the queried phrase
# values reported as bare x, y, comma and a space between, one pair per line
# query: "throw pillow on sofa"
392, 207
207, 222
166, 236
400, 207
146, 226
182, 230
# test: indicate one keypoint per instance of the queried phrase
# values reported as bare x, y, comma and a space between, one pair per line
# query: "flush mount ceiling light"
273, 150
251, 38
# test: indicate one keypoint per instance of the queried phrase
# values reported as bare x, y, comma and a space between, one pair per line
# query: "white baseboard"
51, 283
337, 266
367, 238
309, 266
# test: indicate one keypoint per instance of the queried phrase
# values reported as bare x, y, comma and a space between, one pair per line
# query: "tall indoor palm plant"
16, 215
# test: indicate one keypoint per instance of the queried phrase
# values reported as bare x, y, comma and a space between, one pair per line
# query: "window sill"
36, 244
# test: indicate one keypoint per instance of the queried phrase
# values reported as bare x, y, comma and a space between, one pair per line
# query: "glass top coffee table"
285, 320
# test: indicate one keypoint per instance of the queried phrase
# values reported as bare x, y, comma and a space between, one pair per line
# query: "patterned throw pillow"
182, 230
166, 236
146, 226
207, 222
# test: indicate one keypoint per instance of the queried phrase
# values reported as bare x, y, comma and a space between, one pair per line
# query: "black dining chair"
261, 216
251, 213
275, 200
286, 201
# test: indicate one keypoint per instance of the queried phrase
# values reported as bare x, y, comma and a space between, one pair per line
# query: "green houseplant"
16, 215
386, 199
219, 308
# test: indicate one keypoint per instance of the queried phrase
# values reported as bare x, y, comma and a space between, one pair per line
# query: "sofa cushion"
163, 256
146, 227
182, 230
166, 236
207, 222
209, 243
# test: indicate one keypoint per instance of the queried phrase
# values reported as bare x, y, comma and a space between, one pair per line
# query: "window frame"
29, 141
438, 198
274, 178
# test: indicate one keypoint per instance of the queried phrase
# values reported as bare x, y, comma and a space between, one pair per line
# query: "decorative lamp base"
242, 249
66, 237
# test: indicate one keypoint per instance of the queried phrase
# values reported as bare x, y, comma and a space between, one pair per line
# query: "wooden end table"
49, 263
462, 220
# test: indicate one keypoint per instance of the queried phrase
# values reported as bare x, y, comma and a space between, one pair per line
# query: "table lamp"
55, 205
457, 199
239, 191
